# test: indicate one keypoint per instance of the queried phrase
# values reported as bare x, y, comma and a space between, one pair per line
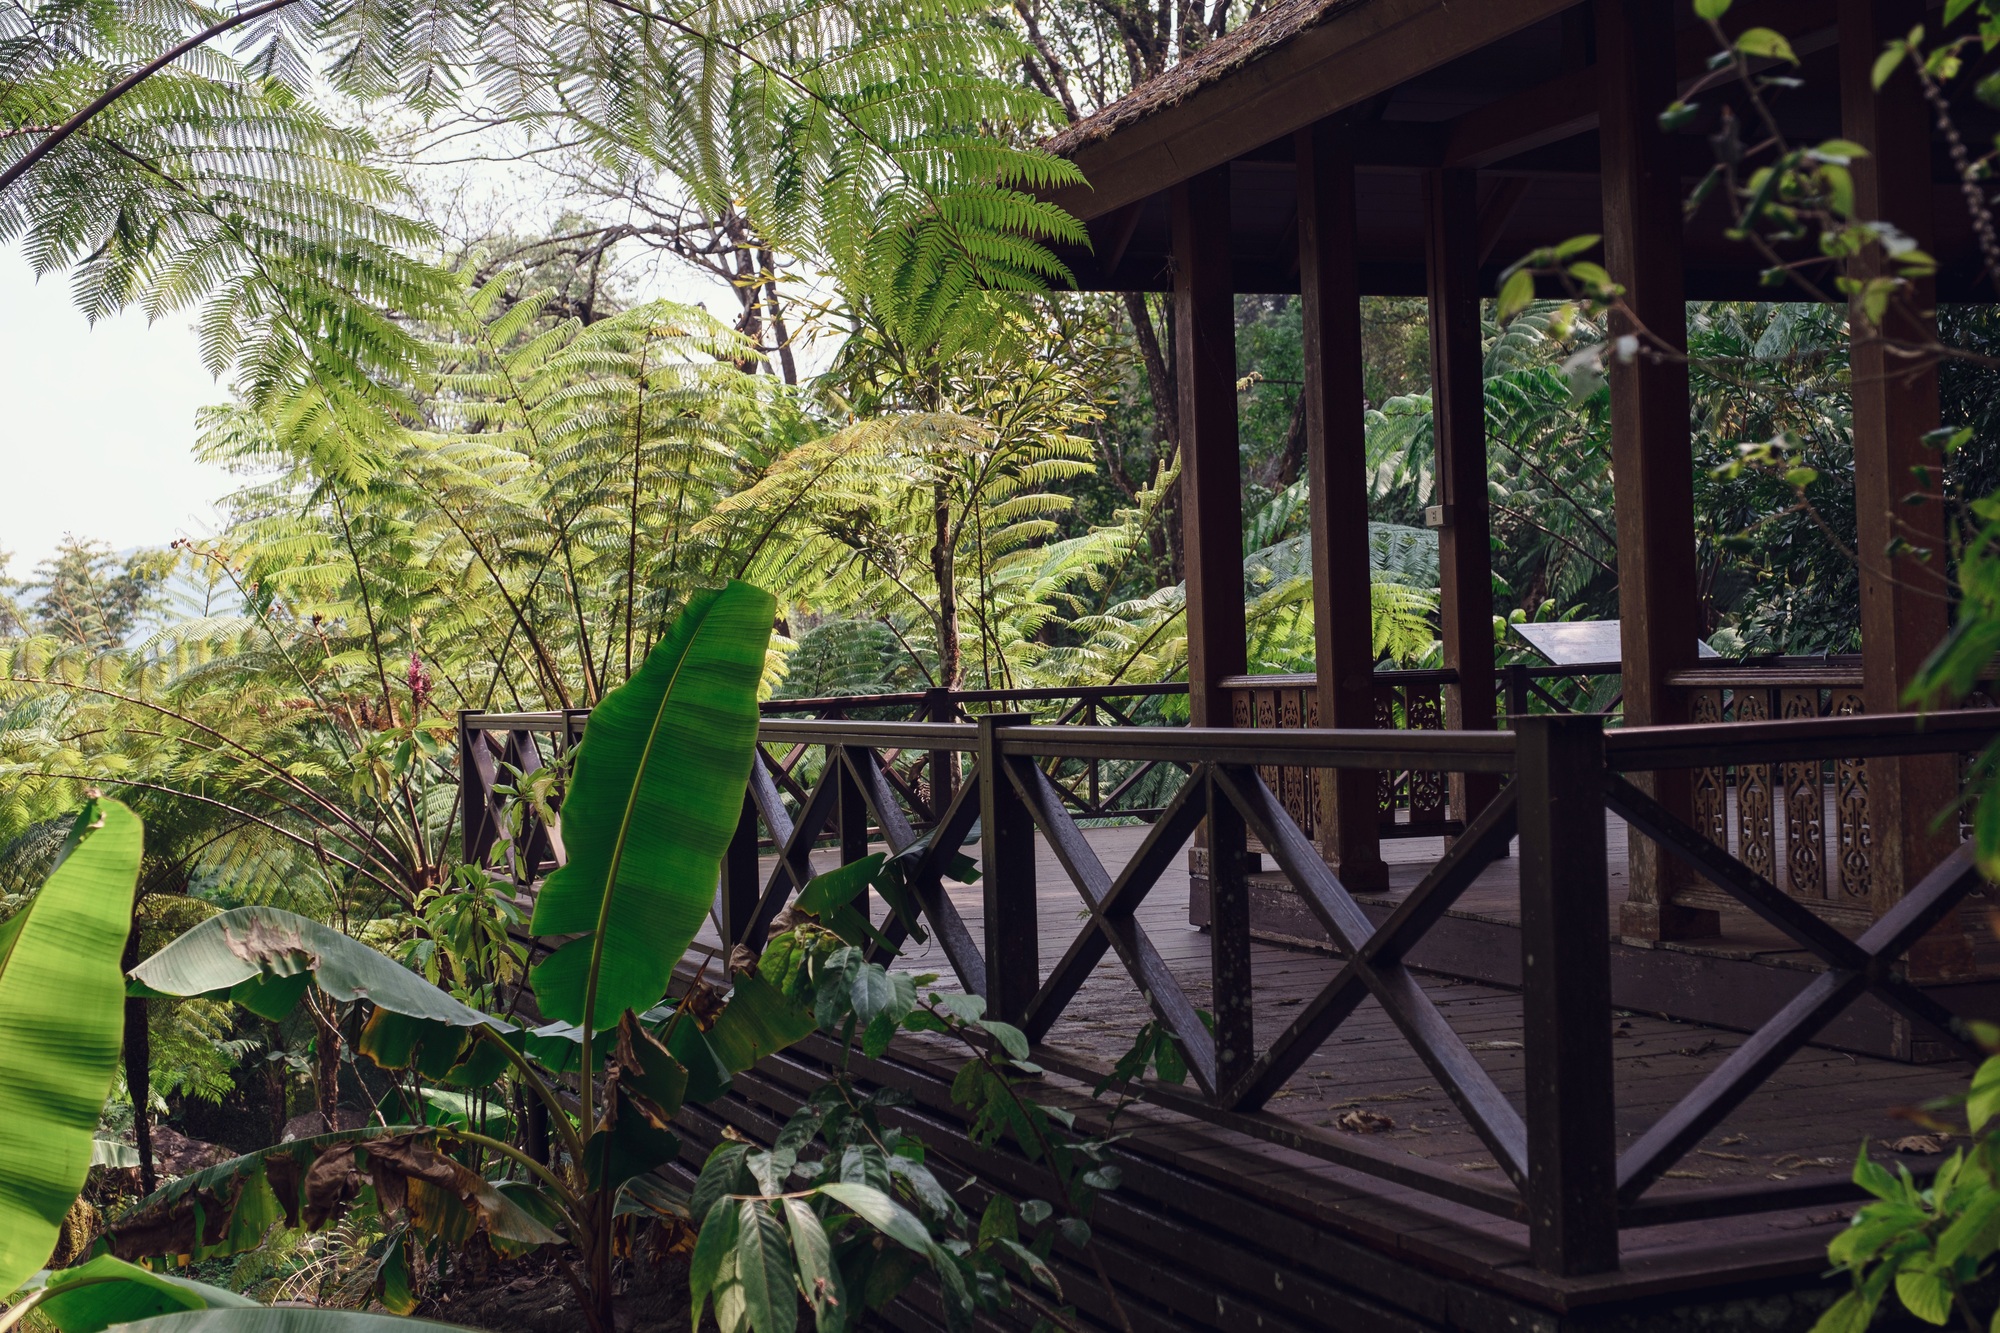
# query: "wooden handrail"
1859, 736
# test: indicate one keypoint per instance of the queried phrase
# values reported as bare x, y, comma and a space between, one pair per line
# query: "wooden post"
1904, 612
850, 811
1007, 878
1566, 996
938, 706
1211, 466
1458, 423
1336, 478
1229, 940
1211, 475
742, 878
1651, 455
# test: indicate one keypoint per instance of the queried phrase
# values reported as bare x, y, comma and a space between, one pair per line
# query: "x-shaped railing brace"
1374, 966
1854, 968
794, 841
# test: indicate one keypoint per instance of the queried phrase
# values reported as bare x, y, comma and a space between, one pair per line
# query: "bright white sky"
96, 424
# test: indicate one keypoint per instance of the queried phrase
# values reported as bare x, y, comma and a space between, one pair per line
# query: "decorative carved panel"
1424, 706
1711, 793
1850, 812
1756, 833
1267, 718
1294, 790
1805, 808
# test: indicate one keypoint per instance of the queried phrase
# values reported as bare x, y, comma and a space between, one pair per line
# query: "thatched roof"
1261, 35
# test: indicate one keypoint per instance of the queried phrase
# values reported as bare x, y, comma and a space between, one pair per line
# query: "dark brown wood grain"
1336, 477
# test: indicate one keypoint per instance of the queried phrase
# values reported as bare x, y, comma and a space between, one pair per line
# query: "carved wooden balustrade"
1802, 825
1562, 1169
1410, 803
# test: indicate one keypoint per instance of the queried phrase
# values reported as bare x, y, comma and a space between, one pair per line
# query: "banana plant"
654, 799
61, 1016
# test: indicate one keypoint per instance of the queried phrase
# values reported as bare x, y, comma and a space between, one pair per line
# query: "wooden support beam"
1652, 457
1336, 481
1211, 467
1566, 996
1211, 506
1458, 424
1904, 612
1326, 68
1007, 879
1566, 105
742, 879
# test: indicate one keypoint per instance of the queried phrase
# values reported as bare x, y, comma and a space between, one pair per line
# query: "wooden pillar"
1904, 613
1007, 879
1572, 1193
1458, 423
1211, 466
1336, 478
1651, 454
1211, 503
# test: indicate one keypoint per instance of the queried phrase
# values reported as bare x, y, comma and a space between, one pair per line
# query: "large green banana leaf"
61, 1018
650, 809
264, 958
106, 1291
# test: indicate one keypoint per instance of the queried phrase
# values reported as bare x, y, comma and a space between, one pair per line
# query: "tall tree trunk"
1164, 390
780, 334
139, 1068
943, 575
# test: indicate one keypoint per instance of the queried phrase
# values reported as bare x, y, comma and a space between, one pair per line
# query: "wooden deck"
1354, 1251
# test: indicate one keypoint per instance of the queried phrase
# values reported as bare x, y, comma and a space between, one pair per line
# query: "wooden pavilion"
1340, 148
1520, 1086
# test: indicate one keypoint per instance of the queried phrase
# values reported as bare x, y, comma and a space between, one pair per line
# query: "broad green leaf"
107, 1291
764, 1268
716, 1239
883, 1213
1768, 43
819, 1276
1710, 10
652, 805
758, 1021
723, 1173
1885, 64
1975, 1224
1515, 295
1873, 1177
1011, 1039
1000, 1221
1852, 1313
1924, 1294
1984, 1099
264, 958
393, 1287
62, 1017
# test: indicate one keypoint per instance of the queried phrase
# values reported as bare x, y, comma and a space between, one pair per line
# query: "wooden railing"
1803, 825
1409, 803
1562, 1169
